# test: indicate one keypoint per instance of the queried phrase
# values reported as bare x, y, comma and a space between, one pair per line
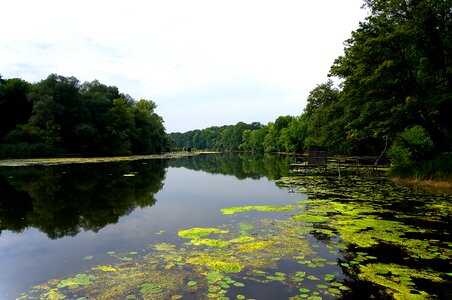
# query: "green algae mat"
348, 238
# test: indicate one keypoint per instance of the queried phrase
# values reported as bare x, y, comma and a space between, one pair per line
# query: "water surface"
77, 230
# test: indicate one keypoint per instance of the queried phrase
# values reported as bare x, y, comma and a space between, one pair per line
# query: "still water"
121, 231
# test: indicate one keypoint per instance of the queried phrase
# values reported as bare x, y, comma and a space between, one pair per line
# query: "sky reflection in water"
188, 198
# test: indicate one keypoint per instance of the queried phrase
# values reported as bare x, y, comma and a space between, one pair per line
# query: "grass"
440, 184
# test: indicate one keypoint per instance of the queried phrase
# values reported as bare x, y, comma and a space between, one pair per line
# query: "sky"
203, 62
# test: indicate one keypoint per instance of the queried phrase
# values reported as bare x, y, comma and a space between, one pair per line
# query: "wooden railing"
320, 161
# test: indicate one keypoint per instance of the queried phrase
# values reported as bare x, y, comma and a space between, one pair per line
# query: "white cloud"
184, 55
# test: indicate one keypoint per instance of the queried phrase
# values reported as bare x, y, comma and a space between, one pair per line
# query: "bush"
439, 167
414, 144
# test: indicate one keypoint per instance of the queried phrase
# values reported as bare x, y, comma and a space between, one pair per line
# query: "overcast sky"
204, 62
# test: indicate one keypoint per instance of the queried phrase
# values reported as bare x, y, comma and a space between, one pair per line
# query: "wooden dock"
337, 162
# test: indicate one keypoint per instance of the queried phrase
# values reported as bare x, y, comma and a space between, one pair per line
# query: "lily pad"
150, 288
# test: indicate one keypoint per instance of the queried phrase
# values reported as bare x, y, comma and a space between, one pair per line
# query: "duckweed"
209, 242
151, 288
261, 208
349, 227
53, 294
105, 268
242, 239
79, 279
197, 233
228, 265
397, 279
310, 218
254, 246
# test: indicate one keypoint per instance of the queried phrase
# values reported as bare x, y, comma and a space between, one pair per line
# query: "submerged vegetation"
337, 243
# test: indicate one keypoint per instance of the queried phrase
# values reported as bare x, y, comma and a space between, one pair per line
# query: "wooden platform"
336, 162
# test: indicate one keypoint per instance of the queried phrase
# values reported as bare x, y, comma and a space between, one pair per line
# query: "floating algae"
213, 262
79, 279
349, 227
105, 268
261, 208
209, 242
196, 233
398, 280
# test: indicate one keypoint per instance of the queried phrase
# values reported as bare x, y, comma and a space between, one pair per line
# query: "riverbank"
85, 160
427, 183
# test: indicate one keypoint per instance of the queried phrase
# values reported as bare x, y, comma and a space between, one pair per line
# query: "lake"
219, 226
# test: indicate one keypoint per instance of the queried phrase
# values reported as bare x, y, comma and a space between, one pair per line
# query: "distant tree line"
395, 96
61, 116
224, 138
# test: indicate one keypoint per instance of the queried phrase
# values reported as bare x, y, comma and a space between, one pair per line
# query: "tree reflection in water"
62, 200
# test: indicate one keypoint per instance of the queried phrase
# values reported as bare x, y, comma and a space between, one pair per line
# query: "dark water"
60, 221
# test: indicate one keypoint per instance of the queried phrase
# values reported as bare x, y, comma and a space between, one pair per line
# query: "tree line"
61, 116
395, 96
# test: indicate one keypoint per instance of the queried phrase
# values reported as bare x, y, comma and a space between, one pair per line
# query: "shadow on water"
62, 200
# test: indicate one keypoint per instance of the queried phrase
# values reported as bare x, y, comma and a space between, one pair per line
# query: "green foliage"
59, 115
413, 144
15, 108
396, 73
413, 154
396, 89
439, 167
225, 138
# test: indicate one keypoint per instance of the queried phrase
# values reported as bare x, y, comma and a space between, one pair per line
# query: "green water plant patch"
261, 208
341, 234
197, 233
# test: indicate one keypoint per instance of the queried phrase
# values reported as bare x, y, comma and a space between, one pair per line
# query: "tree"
321, 96
397, 72
56, 100
293, 136
120, 128
15, 108
58, 115
150, 136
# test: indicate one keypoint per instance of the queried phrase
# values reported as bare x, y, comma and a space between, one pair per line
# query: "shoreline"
445, 185
25, 162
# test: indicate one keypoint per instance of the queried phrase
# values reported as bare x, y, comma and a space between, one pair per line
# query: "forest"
389, 93
394, 97
60, 116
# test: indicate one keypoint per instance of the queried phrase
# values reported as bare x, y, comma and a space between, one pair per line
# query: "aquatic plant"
79, 279
150, 288
210, 242
213, 262
261, 208
197, 233
397, 279
254, 246
309, 218
346, 224
107, 268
